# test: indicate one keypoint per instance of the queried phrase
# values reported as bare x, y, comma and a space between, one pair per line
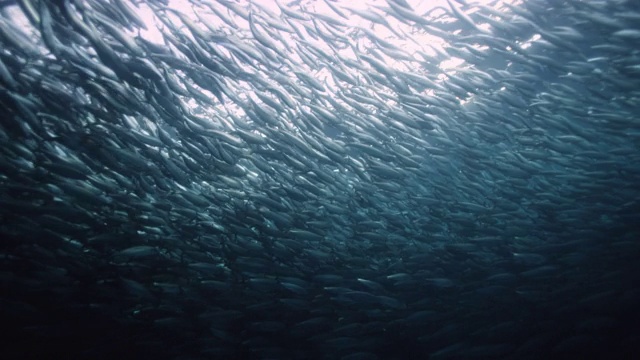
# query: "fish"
319, 180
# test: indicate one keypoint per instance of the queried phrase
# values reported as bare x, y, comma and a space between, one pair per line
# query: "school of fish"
311, 180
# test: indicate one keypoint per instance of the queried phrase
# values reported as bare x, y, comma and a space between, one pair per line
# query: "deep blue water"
308, 181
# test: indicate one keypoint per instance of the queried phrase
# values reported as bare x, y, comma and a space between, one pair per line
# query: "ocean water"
319, 179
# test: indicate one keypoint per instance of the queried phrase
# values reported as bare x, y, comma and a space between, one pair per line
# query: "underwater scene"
320, 179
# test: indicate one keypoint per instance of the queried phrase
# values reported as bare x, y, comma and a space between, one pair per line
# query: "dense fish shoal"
215, 179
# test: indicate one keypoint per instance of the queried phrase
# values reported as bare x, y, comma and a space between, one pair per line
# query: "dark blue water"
307, 181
